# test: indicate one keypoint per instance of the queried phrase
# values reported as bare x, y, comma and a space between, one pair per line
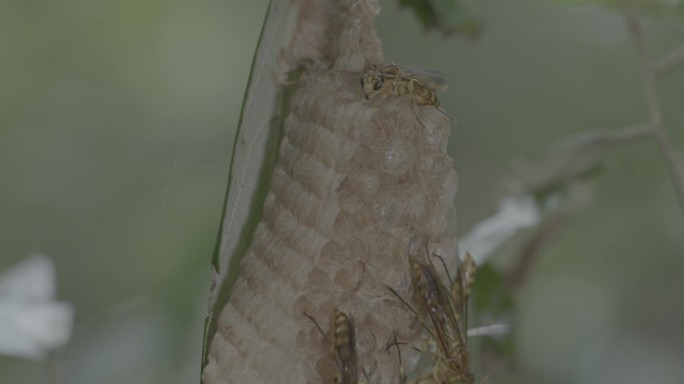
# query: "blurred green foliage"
493, 299
663, 7
446, 16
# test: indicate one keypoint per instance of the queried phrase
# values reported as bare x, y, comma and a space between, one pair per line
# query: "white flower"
514, 213
31, 321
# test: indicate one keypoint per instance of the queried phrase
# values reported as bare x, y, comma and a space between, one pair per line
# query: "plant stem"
649, 77
670, 62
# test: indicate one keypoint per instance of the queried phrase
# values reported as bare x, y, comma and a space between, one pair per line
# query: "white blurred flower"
514, 213
31, 321
490, 330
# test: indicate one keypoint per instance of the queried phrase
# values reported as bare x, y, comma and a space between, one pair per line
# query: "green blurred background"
116, 127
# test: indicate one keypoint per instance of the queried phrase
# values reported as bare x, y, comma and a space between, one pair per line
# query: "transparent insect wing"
442, 300
432, 79
438, 312
447, 314
435, 297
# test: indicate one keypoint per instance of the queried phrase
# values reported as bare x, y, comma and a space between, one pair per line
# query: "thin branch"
588, 152
647, 70
592, 145
589, 148
671, 62
614, 138
532, 248
674, 162
675, 165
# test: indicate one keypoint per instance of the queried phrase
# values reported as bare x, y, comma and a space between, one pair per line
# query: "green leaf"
491, 294
253, 158
492, 299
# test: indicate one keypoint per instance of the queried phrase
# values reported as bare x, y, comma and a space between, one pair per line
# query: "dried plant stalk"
355, 180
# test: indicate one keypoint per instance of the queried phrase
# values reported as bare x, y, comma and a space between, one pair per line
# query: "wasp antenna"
317, 326
422, 322
446, 270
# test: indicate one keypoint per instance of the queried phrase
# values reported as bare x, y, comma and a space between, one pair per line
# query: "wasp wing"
432, 78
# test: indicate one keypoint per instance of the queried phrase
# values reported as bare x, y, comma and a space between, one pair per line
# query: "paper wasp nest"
355, 180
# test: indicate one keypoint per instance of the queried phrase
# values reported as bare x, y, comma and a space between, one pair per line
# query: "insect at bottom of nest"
344, 349
447, 312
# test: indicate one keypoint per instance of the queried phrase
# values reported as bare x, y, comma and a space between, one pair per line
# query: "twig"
532, 248
589, 148
649, 77
670, 62
53, 370
647, 70
616, 137
588, 152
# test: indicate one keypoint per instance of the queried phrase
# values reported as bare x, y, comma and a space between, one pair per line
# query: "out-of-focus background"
117, 122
